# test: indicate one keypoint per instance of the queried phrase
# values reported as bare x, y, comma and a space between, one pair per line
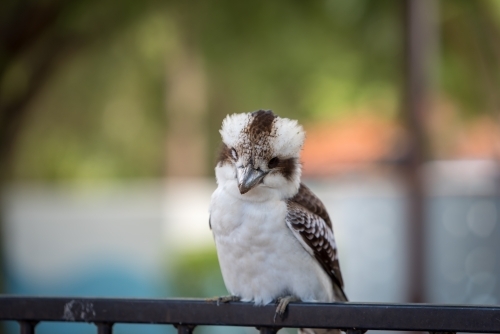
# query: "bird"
273, 235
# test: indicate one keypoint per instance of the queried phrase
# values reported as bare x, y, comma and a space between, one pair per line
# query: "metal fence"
186, 314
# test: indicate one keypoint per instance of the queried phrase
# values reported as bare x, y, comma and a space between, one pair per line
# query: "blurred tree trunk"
420, 48
21, 29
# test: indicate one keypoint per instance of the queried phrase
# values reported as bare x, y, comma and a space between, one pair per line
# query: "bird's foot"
224, 299
283, 304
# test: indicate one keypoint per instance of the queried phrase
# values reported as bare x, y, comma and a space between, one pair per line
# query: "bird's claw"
223, 299
282, 306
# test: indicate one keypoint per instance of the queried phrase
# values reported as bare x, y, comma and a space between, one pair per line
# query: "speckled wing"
311, 225
311, 202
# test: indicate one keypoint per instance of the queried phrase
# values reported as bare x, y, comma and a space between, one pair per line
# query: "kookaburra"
274, 237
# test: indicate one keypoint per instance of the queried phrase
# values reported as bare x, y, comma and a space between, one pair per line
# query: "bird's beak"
248, 177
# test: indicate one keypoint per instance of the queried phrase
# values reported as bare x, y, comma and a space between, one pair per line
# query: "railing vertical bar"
355, 331
27, 327
184, 329
268, 330
104, 328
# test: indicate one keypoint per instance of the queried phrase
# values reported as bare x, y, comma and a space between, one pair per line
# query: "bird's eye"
234, 154
273, 162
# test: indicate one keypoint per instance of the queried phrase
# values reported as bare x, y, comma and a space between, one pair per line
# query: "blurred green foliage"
99, 112
102, 113
469, 61
196, 274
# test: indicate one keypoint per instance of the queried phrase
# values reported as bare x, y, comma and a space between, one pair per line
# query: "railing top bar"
411, 317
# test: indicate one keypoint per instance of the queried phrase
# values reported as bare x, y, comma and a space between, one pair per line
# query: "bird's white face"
260, 155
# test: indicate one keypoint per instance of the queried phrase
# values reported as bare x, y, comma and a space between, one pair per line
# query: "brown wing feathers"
308, 200
308, 216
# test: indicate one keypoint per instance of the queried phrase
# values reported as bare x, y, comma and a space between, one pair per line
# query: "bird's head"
261, 150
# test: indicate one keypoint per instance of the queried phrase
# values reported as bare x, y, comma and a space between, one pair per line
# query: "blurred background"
109, 118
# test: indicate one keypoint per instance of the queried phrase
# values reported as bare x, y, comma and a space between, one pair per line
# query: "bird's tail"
318, 331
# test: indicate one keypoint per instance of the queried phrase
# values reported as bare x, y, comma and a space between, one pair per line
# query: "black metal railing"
186, 314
